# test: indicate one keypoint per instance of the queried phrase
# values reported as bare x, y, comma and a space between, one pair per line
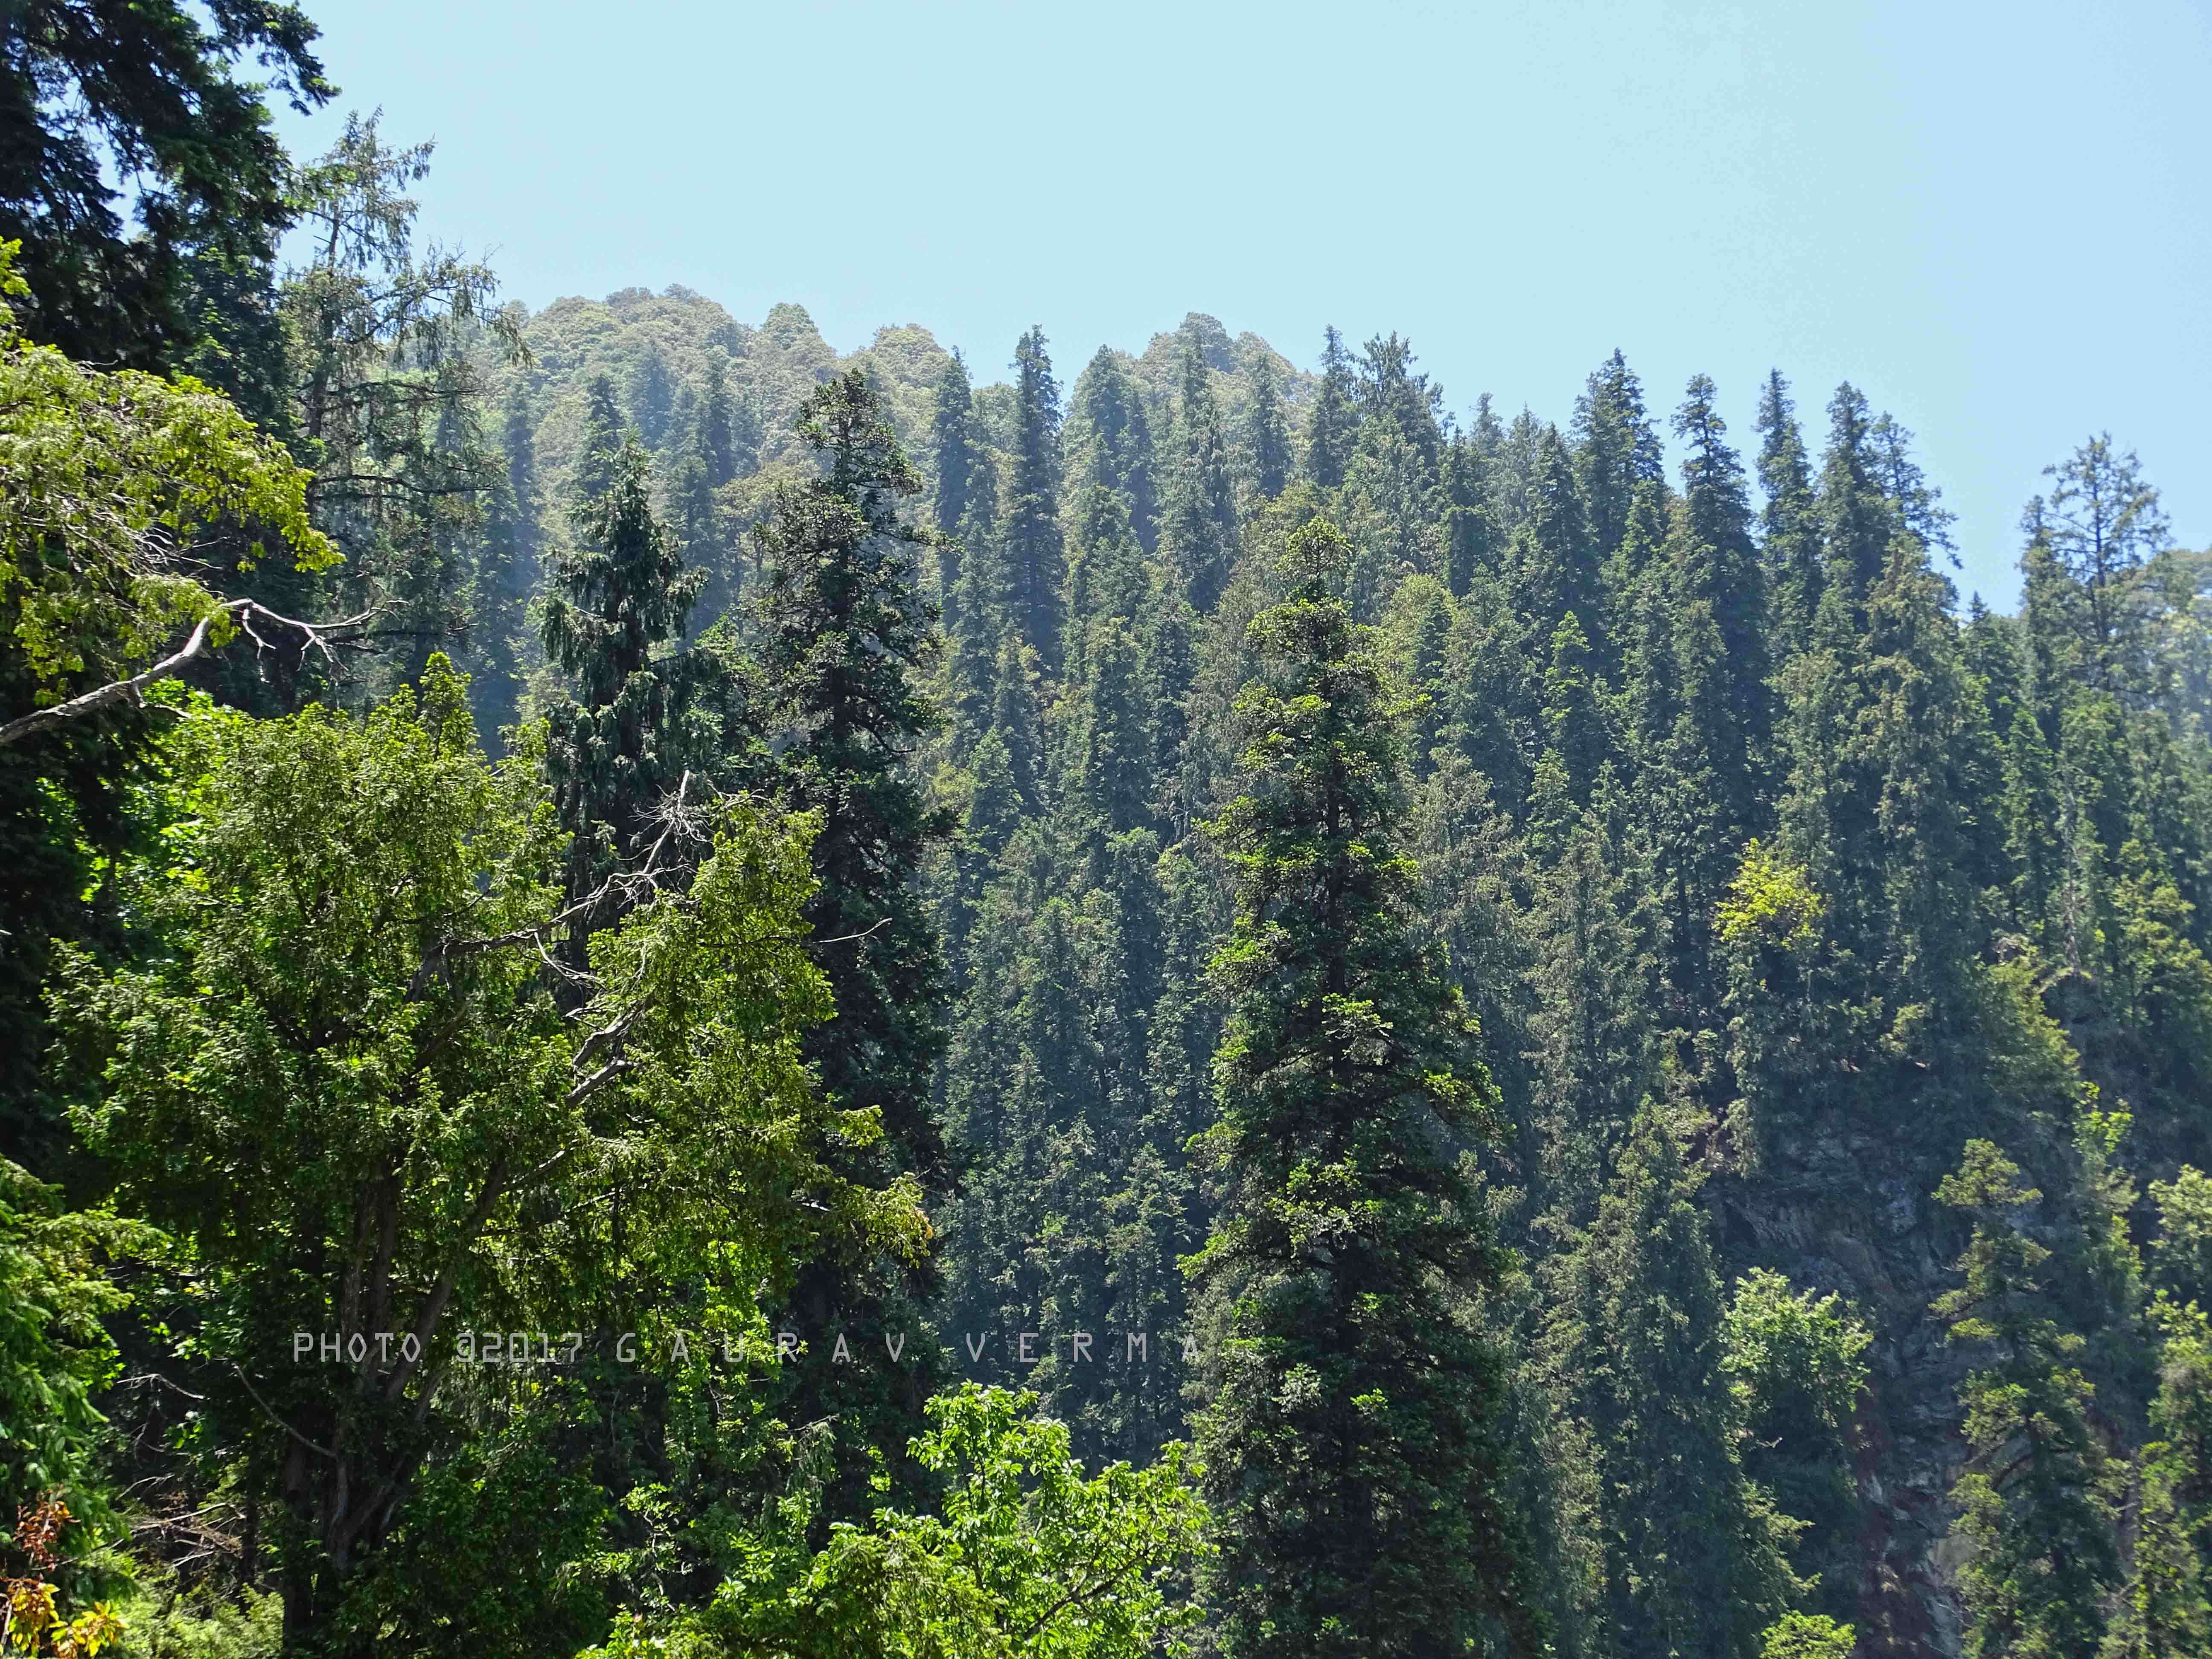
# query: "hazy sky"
1995, 219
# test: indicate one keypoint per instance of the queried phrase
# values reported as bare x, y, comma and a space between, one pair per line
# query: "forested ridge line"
1637, 1062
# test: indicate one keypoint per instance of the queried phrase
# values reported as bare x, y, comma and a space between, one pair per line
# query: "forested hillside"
671, 993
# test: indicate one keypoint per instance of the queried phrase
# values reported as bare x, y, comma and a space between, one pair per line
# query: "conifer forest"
664, 992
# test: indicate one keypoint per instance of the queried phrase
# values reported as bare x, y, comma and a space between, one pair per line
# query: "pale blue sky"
1995, 219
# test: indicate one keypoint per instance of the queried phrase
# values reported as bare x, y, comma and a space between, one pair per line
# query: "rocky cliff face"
1845, 1217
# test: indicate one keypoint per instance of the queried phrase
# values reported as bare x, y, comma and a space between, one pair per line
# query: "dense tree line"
666, 992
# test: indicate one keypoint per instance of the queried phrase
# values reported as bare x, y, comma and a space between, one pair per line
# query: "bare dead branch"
315, 637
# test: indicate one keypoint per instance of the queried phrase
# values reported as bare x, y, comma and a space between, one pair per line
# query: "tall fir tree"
2035, 1503
1271, 430
509, 570
846, 637
1117, 443
1200, 531
1789, 536
1615, 450
1355, 1413
952, 421
1917, 504
726, 440
1471, 540
2103, 523
1555, 567
1034, 556
1334, 424
600, 441
1692, 1562
1857, 521
625, 739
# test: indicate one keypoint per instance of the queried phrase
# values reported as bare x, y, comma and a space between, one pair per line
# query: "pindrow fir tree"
1271, 432
2102, 522
1117, 443
1616, 449
1352, 1429
1331, 427
2036, 1500
1693, 1556
1036, 559
388, 394
951, 425
1199, 528
107, 97
847, 637
623, 741
1789, 531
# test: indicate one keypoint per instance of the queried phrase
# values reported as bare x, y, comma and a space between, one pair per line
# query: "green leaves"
2037, 1501
106, 480
1029, 1559
344, 1081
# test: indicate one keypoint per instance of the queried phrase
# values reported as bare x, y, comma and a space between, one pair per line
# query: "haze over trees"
668, 993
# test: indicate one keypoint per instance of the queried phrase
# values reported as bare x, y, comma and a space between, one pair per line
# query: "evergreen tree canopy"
1335, 418
1341, 1277
97, 93
1035, 558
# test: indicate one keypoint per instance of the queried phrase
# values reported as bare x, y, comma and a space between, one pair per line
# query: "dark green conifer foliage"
952, 423
846, 636
2166, 1611
1876, 751
1333, 427
1198, 534
696, 515
1354, 1420
1118, 442
1168, 636
1271, 431
1106, 573
2035, 1502
1574, 721
2102, 523
1036, 560
602, 440
1857, 521
1393, 397
1014, 717
1591, 1040
977, 627
1918, 504
1110, 757
1556, 569
102, 99
508, 571
1717, 516
727, 441
1692, 1564
1112, 785
621, 594
1471, 540
1615, 450
652, 399
1789, 534
1699, 692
